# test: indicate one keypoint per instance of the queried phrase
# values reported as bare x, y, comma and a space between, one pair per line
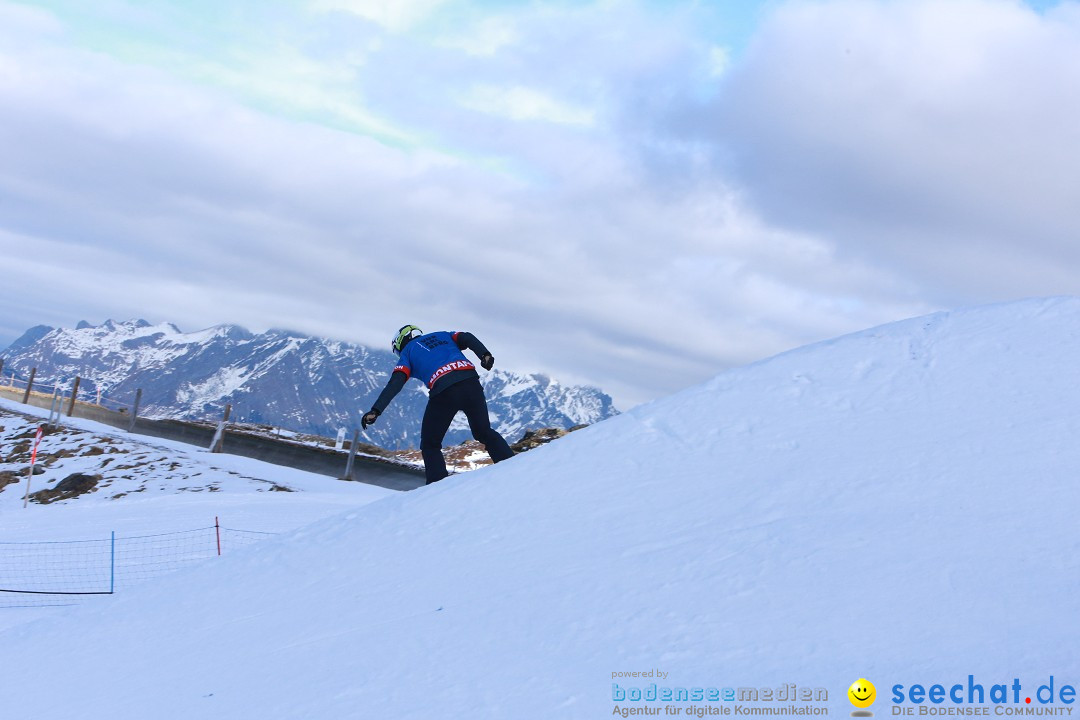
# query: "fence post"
29, 385
135, 410
352, 455
55, 407
219, 437
217, 529
74, 392
112, 564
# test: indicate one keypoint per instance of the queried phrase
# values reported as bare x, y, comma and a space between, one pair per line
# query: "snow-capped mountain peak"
279, 377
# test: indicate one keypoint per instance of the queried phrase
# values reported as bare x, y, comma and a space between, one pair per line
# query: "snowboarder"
453, 385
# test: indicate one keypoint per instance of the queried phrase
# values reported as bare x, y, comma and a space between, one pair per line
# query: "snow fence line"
67, 393
45, 573
321, 459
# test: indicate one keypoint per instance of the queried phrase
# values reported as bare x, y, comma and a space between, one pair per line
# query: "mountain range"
279, 378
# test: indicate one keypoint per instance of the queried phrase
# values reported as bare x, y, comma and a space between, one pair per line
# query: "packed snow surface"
149, 488
898, 504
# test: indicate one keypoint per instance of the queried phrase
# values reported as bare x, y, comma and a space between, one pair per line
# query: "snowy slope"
136, 469
896, 504
147, 487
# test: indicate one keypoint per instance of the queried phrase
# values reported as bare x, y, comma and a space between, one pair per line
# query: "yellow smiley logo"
862, 693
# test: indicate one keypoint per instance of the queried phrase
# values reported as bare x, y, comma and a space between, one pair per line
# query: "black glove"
487, 362
369, 418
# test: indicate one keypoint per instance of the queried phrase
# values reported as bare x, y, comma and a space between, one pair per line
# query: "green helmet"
404, 335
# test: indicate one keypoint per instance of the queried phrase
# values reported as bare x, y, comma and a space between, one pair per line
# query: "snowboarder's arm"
398, 378
468, 341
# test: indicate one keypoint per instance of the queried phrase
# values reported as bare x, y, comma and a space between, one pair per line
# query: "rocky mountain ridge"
279, 378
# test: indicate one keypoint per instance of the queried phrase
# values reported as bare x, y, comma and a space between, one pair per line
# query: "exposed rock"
535, 438
70, 487
8, 477
471, 454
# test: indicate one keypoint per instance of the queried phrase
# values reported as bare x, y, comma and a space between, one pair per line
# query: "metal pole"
52, 405
218, 442
352, 455
217, 529
112, 563
135, 410
29, 475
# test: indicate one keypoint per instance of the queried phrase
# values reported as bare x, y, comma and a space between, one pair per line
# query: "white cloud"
557, 215
523, 103
719, 61
937, 138
295, 84
483, 38
396, 15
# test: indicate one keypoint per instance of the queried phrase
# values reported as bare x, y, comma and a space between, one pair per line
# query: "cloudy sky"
634, 194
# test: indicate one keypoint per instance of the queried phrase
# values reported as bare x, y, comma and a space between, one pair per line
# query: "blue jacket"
436, 360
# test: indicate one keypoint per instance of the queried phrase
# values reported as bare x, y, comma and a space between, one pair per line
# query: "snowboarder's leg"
474, 405
437, 418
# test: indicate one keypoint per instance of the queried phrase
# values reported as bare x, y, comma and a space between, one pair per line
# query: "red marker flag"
33, 457
37, 441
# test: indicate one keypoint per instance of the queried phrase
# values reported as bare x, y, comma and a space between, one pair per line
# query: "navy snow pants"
466, 396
